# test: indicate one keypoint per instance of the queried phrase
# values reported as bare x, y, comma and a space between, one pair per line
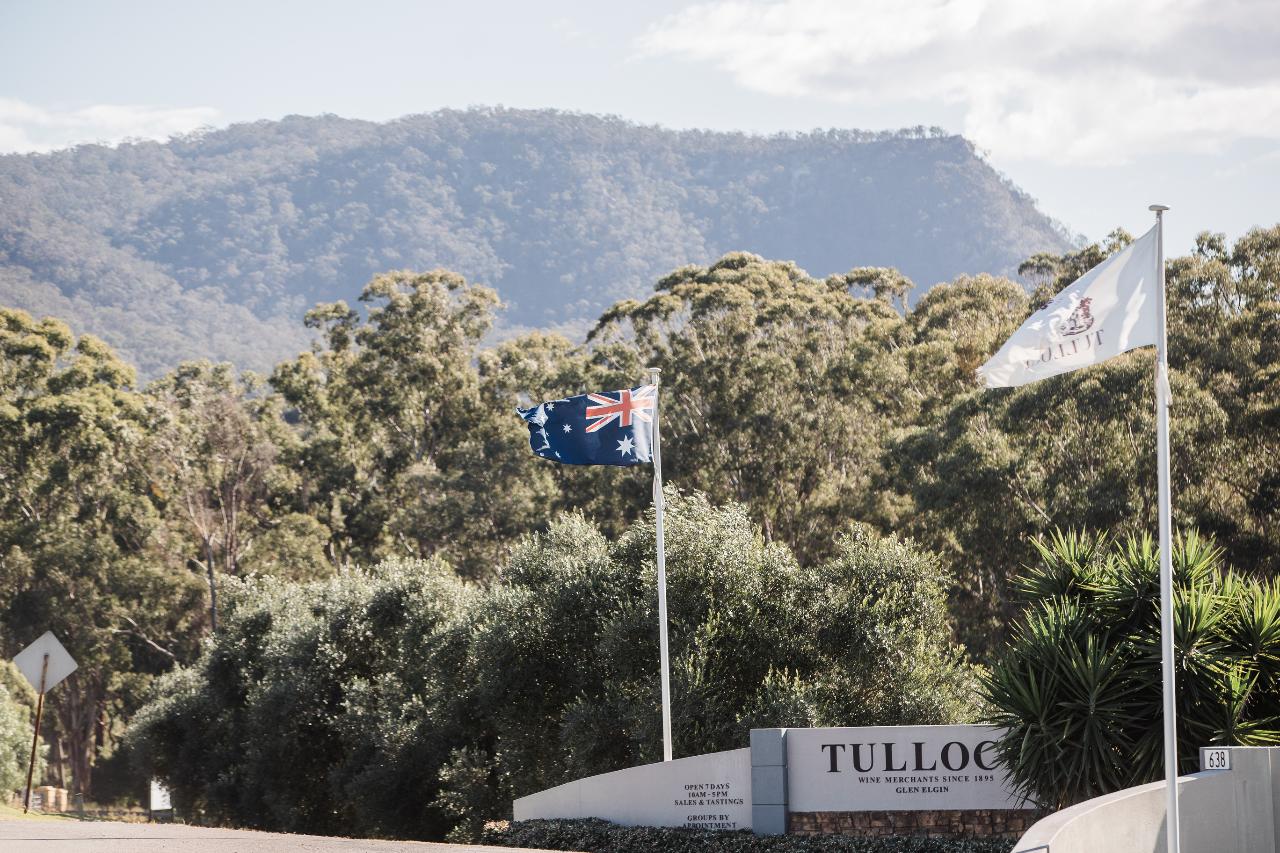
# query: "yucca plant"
1078, 688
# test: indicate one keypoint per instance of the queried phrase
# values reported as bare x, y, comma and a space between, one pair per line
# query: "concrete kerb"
1223, 811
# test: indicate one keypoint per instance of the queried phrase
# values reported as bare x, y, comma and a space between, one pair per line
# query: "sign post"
45, 663
35, 739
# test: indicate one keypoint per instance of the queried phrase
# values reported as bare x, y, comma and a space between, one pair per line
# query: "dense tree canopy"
995, 468
831, 412
17, 701
404, 451
77, 517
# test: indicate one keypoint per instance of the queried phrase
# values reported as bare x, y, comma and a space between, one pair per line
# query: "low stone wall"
980, 823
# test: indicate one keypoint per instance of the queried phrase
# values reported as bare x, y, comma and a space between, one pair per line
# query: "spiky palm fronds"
1078, 688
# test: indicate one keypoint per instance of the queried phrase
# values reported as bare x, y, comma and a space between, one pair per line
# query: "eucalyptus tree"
223, 452
404, 454
77, 514
1002, 467
1225, 332
990, 470
777, 387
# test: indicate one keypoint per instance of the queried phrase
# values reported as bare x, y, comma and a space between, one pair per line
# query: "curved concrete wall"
711, 791
1223, 811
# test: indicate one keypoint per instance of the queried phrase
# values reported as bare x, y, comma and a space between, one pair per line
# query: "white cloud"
567, 30
24, 127
1090, 82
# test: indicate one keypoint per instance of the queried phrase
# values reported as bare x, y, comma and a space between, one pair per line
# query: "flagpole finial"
1157, 209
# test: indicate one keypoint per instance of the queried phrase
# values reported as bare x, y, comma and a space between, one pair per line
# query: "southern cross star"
568, 428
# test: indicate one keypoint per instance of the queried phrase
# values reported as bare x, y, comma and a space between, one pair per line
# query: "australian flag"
613, 428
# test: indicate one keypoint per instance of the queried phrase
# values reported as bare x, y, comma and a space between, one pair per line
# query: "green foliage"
327, 706
17, 706
986, 472
76, 517
219, 455
830, 410
1001, 468
1079, 686
405, 451
598, 836
400, 701
211, 246
781, 390
1225, 333
767, 383
756, 639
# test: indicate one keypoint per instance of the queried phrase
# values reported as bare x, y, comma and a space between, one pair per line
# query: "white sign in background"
711, 791
896, 768
159, 800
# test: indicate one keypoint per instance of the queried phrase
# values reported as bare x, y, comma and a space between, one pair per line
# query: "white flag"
1111, 309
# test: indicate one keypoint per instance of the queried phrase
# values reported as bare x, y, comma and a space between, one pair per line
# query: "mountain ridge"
214, 244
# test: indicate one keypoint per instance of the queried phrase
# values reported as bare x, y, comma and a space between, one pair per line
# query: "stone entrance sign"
801, 780
895, 768
711, 791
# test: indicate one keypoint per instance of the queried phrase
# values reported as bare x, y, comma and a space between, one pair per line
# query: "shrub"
17, 701
598, 836
401, 701
1079, 685
566, 654
324, 706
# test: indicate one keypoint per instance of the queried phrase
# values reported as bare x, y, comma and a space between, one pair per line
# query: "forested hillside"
214, 245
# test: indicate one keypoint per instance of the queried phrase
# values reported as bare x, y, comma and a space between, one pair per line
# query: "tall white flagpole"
658, 505
1172, 827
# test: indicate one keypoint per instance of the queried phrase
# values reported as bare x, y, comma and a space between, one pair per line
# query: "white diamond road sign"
30, 661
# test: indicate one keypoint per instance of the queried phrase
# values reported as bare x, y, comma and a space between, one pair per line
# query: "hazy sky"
1094, 108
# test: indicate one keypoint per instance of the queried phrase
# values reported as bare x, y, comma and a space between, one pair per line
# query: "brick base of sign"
980, 823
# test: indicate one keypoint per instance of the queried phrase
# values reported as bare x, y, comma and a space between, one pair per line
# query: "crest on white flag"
1111, 309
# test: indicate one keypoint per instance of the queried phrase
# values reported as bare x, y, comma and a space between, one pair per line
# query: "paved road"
47, 836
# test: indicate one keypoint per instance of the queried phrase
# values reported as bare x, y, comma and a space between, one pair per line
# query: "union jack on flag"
608, 428
629, 404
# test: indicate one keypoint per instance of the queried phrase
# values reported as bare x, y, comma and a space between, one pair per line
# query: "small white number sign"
1215, 759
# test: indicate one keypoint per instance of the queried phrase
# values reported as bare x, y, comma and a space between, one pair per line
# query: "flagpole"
1172, 831
658, 505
